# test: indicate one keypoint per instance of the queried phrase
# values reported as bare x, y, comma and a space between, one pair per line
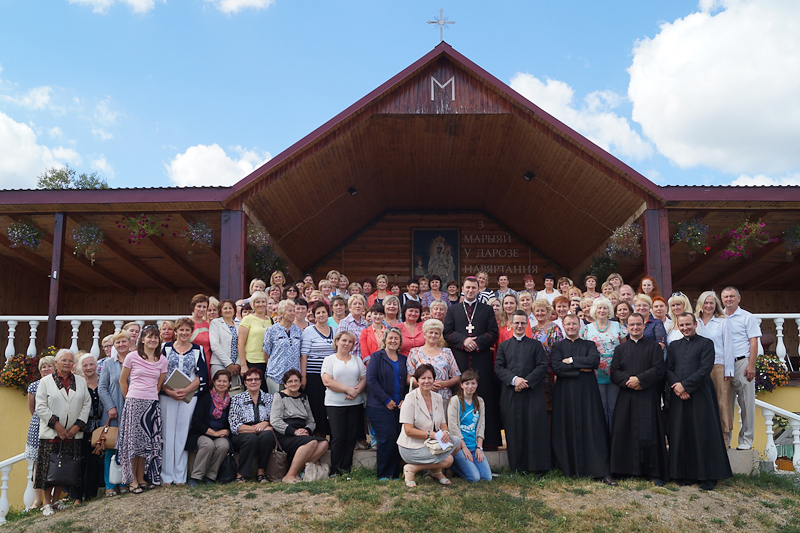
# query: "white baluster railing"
5, 472
75, 321
779, 320
771, 451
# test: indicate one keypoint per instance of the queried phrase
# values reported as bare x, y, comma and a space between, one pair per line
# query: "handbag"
278, 464
316, 472
64, 470
114, 471
228, 468
104, 438
435, 449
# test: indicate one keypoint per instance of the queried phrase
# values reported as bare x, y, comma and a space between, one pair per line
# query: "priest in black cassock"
638, 446
579, 433
520, 366
697, 449
470, 329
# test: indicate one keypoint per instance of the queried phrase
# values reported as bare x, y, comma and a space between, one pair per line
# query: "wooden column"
232, 255
59, 230
656, 248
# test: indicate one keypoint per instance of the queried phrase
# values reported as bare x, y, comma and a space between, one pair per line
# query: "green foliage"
67, 178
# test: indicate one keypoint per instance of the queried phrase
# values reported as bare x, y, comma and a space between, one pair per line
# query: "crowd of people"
592, 382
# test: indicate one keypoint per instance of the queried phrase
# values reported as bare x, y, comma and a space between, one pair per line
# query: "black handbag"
228, 468
64, 470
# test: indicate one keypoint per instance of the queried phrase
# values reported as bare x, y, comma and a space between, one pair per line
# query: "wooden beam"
133, 262
170, 254
44, 266
59, 231
656, 248
215, 245
712, 254
739, 267
231, 267
769, 276
70, 252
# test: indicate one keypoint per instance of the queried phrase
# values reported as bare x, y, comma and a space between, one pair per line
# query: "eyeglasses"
108, 346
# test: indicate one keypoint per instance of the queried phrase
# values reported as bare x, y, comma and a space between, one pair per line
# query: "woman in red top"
372, 336
200, 334
411, 328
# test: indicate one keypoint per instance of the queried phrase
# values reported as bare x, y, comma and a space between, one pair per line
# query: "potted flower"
261, 257
745, 237
694, 233
198, 233
21, 370
143, 226
791, 236
25, 233
88, 237
625, 242
771, 373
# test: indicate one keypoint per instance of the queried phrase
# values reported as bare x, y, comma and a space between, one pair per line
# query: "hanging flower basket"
746, 237
198, 233
261, 257
88, 237
143, 226
791, 237
625, 242
25, 234
770, 373
694, 233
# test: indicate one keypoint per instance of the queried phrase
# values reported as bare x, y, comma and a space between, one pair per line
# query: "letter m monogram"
450, 82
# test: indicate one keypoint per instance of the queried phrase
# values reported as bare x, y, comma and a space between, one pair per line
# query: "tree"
68, 178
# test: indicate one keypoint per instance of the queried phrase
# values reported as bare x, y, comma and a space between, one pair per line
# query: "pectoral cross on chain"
470, 327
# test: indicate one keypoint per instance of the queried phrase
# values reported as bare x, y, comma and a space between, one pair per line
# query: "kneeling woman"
466, 415
294, 427
252, 432
423, 415
210, 429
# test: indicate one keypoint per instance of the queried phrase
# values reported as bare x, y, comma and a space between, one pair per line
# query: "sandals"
110, 493
262, 478
137, 489
47, 510
408, 477
240, 480
58, 506
442, 480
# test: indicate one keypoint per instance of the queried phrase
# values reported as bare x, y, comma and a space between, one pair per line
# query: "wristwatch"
479, 448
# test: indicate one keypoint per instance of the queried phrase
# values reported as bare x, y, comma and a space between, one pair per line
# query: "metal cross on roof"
441, 22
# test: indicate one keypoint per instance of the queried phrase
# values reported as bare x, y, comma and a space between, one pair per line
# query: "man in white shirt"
745, 332
626, 294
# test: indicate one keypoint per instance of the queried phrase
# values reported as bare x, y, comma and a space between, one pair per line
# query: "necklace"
608, 325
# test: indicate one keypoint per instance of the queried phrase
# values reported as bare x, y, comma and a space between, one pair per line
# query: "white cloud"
719, 87
102, 6
55, 132
761, 179
594, 118
234, 6
104, 112
102, 166
22, 158
102, 134
209, 165
35, 99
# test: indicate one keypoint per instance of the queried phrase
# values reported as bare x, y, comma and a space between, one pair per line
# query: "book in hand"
178, 380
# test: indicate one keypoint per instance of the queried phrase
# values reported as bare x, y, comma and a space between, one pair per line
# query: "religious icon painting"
435, 251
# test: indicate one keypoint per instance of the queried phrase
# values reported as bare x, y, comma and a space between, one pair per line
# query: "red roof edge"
103, 196
445, 49
730, 193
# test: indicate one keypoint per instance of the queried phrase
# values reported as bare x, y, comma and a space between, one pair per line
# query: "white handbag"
114, 471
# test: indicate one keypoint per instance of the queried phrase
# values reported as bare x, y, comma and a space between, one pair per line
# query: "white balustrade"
771, 451
5, 472
95, 351
118, 325
34, 325
12, 328
780, 346
76, 326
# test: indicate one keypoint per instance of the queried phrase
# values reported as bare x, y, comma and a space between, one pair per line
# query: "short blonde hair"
120, 335
341, 333
356, 298
601, 301
62, 352
432, 323
437, 303
254, 281
283, 305
643, 298
543, 303
257, 296
47, 360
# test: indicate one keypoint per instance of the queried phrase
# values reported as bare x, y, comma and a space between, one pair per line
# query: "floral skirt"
140, 436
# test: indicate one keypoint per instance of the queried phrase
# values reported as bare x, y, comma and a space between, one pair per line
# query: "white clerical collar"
520, 337
472, 302
637, 340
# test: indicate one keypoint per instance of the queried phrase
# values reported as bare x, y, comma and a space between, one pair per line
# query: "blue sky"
192, 92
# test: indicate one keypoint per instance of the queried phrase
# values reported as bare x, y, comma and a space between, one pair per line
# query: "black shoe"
658, 482
708, 484
684, 482
193, 482
608, 480
208, 481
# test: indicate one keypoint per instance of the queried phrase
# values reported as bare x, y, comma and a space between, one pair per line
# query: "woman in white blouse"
345, 377
712, 324
224, 335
